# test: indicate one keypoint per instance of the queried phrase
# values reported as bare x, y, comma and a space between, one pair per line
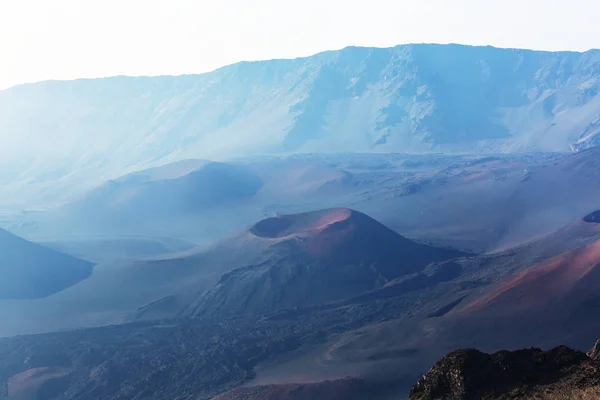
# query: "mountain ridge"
411, 98
591, 50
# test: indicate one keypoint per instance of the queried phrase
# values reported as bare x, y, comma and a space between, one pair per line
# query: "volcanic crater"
297, 224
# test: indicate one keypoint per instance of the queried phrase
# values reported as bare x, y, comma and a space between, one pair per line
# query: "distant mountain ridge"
411, 98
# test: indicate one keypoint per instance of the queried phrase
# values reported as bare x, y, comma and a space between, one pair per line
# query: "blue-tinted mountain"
412, 98
29, 270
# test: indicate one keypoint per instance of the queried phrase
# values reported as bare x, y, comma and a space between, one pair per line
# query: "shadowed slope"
29, 270
172, 189
156, 201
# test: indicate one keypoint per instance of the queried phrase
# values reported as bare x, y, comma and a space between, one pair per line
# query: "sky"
68, 39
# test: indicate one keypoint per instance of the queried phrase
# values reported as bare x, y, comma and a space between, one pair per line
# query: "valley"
374, 338
320, 228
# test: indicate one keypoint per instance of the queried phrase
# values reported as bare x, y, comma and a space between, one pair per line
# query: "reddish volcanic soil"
550, 281
27, 385
296, 224
316, 258
478, 176
349, 237
322, 234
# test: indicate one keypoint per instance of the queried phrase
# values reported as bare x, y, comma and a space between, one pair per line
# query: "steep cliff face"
415, 98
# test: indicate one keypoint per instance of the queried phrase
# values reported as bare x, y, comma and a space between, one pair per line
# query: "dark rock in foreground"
560, 373
594, 352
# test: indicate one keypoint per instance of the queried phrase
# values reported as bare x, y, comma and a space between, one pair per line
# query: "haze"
68, 39
323, 223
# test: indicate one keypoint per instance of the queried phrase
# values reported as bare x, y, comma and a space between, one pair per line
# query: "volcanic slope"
117, 292
143, 201
555, 297
31, 271
551, 196
194, 200
542, 293
491, 204
315, 258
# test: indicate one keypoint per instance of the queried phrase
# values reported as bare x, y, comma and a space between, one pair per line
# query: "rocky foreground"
560, 373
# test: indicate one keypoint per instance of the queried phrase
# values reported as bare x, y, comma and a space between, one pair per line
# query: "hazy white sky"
65, 39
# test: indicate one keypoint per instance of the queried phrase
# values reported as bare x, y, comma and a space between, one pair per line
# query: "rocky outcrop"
560, 373
594, 352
